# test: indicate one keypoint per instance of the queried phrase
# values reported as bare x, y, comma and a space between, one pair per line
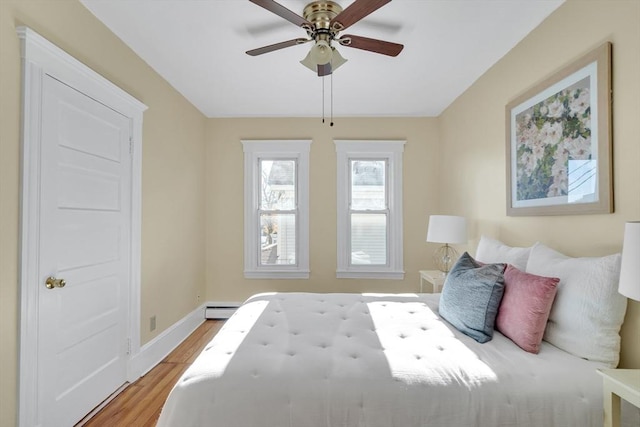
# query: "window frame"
254, 152
391, 152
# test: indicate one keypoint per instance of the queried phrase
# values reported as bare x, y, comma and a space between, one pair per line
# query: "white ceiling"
199, 47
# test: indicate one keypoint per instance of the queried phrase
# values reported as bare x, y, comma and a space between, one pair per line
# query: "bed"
377, 360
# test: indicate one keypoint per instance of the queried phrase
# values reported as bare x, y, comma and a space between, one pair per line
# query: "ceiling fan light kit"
323, 20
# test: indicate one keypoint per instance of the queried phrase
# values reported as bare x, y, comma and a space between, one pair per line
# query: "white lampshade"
321, 52
336, 60
629, 284
447, 229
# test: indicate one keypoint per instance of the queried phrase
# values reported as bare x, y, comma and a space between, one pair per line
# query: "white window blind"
368, 212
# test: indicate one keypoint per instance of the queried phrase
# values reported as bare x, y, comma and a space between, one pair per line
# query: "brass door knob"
52, 282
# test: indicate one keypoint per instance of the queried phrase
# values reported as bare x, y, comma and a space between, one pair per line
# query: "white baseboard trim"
158, 348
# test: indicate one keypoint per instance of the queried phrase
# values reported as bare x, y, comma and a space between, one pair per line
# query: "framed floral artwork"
559, 142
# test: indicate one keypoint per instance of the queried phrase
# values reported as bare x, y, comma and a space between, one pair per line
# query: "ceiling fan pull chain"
323, 99
331, 124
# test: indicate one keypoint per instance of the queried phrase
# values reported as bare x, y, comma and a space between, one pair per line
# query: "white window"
369, 209
276, 209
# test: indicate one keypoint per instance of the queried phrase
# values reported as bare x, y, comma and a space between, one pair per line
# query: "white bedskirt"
332, 360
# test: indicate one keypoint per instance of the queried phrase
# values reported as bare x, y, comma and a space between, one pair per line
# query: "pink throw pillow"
525, 307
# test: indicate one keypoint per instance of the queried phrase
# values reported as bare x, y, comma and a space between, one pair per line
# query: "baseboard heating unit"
220, 310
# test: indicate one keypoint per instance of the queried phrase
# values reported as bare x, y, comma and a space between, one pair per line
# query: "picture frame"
559, 141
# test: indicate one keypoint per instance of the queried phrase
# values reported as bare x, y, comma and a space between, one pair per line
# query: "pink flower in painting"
560, 178
578, 148
579, 101
555, 109
551, 133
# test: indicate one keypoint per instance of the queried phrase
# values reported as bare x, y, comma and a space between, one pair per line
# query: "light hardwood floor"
139, 405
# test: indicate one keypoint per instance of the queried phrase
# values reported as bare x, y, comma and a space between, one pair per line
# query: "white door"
85, 244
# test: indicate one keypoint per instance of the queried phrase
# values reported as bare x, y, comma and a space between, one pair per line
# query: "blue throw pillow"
471, 297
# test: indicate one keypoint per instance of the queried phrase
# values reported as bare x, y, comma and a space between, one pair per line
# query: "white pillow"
493, 251
588, 311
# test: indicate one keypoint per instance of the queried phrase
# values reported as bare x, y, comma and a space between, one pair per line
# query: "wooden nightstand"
619, 383
434, 277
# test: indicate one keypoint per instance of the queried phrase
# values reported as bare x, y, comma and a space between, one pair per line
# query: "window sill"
277, 274
361, 274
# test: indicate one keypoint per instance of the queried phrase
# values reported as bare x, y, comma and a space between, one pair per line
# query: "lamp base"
444, 258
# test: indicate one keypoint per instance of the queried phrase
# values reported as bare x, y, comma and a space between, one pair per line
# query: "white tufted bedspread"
347, 360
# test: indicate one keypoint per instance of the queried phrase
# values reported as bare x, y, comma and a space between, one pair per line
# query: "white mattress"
374, 360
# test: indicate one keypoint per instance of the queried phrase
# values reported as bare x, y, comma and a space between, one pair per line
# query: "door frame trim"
39, 59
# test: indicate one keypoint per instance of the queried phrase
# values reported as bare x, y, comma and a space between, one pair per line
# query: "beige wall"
465, 145
173, 173
225, 280
473, 139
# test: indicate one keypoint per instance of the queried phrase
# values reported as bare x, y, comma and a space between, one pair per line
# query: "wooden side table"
617, 384
433, 277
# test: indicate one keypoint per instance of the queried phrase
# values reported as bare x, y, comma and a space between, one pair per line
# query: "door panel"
91, 238
81, 305
88, 189
94, 138
84, 239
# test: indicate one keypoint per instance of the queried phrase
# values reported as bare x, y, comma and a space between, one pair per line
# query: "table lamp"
629, 284
446, 229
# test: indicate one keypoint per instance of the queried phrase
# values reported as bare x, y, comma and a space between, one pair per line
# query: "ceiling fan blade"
324, 69
283, 12
355, 12
276, 46
372, 45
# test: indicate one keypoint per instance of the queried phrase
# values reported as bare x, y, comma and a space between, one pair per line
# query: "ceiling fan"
323, 20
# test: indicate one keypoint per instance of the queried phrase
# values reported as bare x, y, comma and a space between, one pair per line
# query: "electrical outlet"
152, 323
198, 298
